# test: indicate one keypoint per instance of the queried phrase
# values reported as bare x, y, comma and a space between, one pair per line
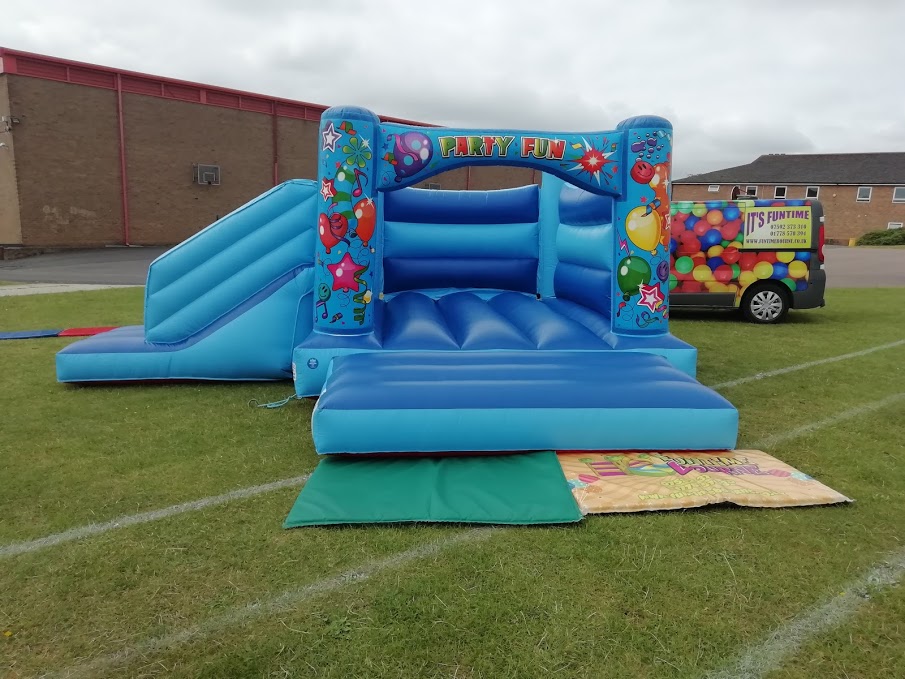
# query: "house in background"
860, 192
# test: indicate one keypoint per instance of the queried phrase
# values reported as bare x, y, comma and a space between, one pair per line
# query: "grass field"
225, 592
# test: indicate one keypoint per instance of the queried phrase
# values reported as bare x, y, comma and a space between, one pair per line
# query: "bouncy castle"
526, 319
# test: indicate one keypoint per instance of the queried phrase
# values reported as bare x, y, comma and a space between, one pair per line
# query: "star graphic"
328, 190
344, 272
593, 161
330, 137
651, 297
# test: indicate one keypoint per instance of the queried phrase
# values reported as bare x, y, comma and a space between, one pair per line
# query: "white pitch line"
805, 366
290, 598
285, 601
132, 519
784, 641
94, 529
838, 417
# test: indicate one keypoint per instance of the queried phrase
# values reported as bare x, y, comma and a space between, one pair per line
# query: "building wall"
66, 170
845, 216
297, 148
483, 178
10, 225
165, 139
67, 163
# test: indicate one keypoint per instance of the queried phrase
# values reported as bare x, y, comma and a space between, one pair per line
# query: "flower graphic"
358, 152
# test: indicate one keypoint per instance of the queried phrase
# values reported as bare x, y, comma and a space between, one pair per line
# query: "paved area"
864, 267
48, 288
846, 267
108, 266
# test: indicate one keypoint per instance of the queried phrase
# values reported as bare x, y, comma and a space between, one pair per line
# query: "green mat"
527, 488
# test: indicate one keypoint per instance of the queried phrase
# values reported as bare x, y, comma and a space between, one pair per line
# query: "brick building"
860, 192
94, 156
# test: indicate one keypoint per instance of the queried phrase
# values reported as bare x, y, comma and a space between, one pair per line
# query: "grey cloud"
737, 80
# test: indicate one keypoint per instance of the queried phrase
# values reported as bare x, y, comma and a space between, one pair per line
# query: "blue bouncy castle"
534, 318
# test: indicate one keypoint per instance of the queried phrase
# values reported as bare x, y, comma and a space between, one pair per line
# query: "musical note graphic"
357, 191
320, 304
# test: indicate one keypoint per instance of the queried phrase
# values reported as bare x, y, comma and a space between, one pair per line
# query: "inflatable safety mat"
636, 482
524, 488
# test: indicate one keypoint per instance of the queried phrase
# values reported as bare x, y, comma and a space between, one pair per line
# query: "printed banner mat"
636, 482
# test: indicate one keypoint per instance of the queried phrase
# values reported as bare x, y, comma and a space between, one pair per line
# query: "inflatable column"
347, 262
641, 222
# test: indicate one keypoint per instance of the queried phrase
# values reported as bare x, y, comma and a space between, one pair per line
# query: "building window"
750, 190
894, 225
713, 188
812, 192
433, 185
898, 194
864, 194
779, 192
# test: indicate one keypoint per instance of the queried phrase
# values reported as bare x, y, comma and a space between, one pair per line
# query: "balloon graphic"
643, 228
642, 171
366, 213
332, 229
663, 270
412, 152
631, 274
659, 182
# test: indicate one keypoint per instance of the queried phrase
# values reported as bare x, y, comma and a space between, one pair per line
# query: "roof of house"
811, 168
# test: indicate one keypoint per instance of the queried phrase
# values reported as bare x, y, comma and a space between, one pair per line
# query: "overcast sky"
736, 79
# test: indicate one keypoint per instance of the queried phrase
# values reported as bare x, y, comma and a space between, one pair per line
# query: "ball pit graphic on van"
725, 246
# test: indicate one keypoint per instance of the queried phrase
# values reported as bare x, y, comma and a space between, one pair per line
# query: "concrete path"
50, 288
107, 266
845, 267
864, 267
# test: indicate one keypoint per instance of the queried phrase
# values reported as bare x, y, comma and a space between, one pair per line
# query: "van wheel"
767, 303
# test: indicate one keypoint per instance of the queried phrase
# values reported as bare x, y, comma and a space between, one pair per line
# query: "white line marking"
94, 529
285, 601
132, 519
838, 417
290, 598
805, 366
784, 641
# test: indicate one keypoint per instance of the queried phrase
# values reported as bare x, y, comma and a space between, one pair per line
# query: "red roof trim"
16, 62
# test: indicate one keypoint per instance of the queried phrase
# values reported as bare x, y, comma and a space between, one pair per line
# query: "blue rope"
275, 404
